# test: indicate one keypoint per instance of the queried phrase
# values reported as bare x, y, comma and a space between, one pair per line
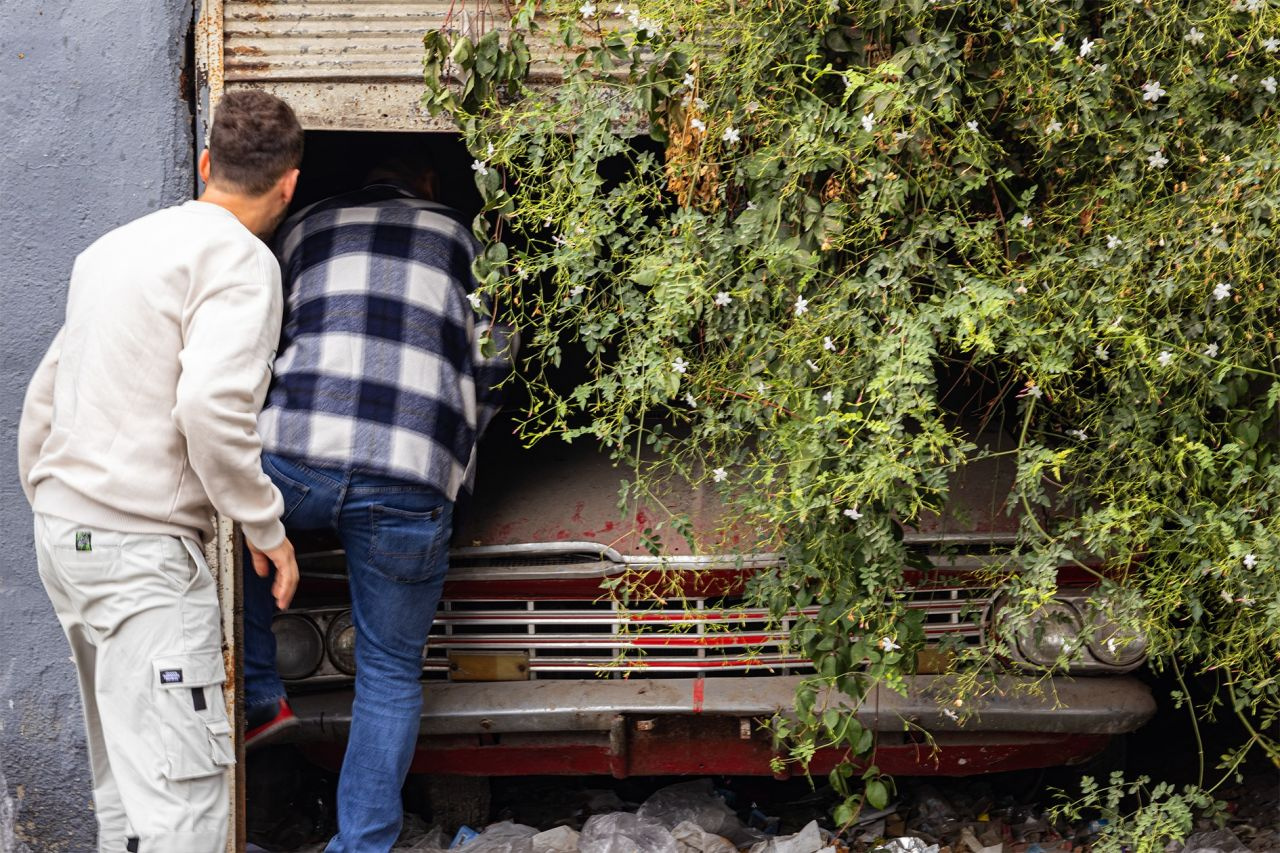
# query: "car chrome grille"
694, 637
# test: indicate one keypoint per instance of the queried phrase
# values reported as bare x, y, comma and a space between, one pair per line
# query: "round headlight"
299, 647
1116, 646
341, 640
1052, 632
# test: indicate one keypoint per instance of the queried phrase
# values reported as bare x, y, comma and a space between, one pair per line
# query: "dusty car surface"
537, 666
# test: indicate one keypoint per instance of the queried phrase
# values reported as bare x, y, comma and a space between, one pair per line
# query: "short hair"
255, 138
408, 162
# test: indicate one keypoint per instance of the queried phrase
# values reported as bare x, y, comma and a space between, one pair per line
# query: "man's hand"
281, 556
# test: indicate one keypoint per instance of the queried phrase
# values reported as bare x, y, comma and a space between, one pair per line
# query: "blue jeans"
396, 537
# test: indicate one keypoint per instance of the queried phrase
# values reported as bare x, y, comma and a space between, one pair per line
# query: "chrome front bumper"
1105, 705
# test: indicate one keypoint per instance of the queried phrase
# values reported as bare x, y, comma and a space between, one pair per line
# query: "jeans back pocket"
409, 546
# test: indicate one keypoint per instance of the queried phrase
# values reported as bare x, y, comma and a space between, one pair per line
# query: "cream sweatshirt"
142, 416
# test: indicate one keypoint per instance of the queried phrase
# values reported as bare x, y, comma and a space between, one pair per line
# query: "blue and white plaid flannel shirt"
380, 366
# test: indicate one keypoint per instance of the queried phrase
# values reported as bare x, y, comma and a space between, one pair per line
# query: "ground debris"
745, 816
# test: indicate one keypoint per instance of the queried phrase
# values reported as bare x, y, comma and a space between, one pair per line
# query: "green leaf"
877, 794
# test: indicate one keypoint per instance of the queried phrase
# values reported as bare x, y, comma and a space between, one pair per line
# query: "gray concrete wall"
95, 130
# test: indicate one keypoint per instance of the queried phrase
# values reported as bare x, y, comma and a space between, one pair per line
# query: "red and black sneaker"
268, 724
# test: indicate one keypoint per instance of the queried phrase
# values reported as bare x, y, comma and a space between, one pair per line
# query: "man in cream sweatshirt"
138, 424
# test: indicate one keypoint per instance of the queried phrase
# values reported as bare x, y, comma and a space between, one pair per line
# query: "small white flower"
869, 122
1222, 290
887, 644
1268, 83
1086, 47
1025, 221
1101, 352
852, 513
719, 475
811, 364
1211, 350
751, 205
559, 240
1250, 560
828, 397
1112, 645
1165, 358
1194, 36
691, 400
1158, 160
1078, 433
1021, 290
474, 299
479, 167
522, 273
1007, 26
688, 80
680, 365
828, 344
1152, 92
899, 135
1033, 390
576, 290
972, 125
1113, 242
648, 27
950, 715
723, 298
1226, 596
1055, 45
1271, 45
1099, 68
698, 125
619, 10
731, 135
1054, 126
1233, 78
588, 10
700, 103
802, 305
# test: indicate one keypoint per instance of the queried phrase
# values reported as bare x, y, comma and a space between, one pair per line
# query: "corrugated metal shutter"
350, 64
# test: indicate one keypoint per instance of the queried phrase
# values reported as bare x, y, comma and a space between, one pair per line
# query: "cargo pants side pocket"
194, 727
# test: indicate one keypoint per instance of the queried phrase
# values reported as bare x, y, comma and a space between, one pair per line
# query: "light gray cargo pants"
141, 614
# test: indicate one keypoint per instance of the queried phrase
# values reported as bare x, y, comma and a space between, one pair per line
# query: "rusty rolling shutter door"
352, 65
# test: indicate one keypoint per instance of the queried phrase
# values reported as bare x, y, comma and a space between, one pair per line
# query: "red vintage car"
535, 666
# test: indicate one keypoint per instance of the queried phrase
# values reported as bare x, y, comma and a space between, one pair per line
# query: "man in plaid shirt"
382, 389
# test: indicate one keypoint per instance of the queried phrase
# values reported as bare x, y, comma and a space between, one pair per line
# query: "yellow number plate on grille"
488, 666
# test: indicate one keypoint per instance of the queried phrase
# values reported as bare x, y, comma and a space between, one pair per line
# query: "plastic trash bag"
505, 837
692, 802
807, 840
622, 832
562, 839
434, 841
691, 838
907, 845
1216, 841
